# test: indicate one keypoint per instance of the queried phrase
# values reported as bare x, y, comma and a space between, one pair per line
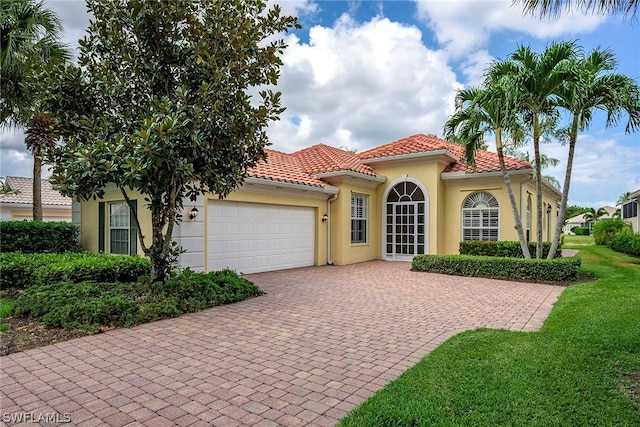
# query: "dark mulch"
24, 334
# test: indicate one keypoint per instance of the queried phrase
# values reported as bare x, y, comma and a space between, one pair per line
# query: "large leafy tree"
29, 38
172, 117
535, 78
486, 111
553, 8
596, 88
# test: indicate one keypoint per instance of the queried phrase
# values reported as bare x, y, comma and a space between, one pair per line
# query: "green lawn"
581, 368
570, 240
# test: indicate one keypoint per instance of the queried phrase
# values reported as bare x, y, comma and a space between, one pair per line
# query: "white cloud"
462, 26
475, 66
603, 169
361, 84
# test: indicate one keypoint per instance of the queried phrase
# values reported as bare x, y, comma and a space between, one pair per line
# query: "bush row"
502, 248
559, 269
18, 270
90, 305
37, 237
627, 242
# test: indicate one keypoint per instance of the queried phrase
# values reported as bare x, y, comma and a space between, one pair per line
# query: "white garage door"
253, 237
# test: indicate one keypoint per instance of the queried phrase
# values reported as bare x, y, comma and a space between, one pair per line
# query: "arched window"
480, 217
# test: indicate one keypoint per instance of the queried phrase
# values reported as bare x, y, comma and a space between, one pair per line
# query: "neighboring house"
580, 220
323, 205
18, 205
629, 210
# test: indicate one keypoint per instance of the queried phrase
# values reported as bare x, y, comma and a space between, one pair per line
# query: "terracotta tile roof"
486, 161
24, 186
283, 167
323, 158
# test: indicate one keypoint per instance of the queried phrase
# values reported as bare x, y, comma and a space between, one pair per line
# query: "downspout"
329, 200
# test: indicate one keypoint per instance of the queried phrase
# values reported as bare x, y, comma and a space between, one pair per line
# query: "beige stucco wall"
89, 219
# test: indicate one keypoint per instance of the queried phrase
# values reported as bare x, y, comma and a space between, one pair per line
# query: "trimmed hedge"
503, 248
38, 237
560, 269
19, 270
626, 242
604, 229
90, 305
581, 231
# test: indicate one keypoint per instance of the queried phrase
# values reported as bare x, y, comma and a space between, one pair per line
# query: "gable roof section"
285, 168
24, 188
322, 158
486, 161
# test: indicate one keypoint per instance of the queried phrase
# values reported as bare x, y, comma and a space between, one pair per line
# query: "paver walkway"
320, 342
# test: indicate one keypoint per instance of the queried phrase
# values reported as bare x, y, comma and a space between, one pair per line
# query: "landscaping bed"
48, 298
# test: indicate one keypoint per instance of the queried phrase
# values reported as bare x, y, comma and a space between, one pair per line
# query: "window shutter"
101, 231
133, 229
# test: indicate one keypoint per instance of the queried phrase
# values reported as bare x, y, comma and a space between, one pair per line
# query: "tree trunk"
565, 190
37, 187
538, 170
514, 205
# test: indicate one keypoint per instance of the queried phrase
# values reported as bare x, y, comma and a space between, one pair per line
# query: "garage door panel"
251, 237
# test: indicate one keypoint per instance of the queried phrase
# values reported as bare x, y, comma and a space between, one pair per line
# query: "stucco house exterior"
323, 205
18, 205
629, 210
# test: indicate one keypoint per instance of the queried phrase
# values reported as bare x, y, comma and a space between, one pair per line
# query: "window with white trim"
359, 214
480, 217
119, 228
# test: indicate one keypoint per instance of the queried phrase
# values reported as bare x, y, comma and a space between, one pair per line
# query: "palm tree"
595, 89
486, 110
553, 8
535, 79
29, 37
623, 199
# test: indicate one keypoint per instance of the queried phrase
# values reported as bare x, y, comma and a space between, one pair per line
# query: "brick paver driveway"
320, 342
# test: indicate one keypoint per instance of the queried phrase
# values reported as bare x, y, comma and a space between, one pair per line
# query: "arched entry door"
405, 221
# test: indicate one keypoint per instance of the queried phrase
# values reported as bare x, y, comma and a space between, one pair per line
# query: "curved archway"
405, 219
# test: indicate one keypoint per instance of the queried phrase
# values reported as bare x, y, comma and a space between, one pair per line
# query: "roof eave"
444, 155
352, 174
324, 189
450, 176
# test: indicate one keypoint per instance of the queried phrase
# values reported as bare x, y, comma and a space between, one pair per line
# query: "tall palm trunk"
538, 172
573, 137
514, 205
37, 187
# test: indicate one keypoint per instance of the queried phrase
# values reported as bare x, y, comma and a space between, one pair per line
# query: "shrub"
18, 270
502, 248
90, 304
38, 237
604, 229
560, 269
581, 231
73, 305
627, 242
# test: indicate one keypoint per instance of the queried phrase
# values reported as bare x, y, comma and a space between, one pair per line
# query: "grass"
6, 310
571, 240
581, 368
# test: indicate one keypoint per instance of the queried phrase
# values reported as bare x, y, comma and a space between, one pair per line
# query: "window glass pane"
359, 218
119, 228
480, 217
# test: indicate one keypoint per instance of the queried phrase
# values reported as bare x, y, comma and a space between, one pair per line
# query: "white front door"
405, 222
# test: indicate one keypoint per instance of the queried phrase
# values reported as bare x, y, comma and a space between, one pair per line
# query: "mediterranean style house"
323, 205
18, 204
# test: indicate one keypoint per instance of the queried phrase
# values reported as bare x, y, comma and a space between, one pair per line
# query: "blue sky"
364, 73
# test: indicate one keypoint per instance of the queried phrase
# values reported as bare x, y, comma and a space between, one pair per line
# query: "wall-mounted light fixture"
325, 217
548, 209
193, 213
